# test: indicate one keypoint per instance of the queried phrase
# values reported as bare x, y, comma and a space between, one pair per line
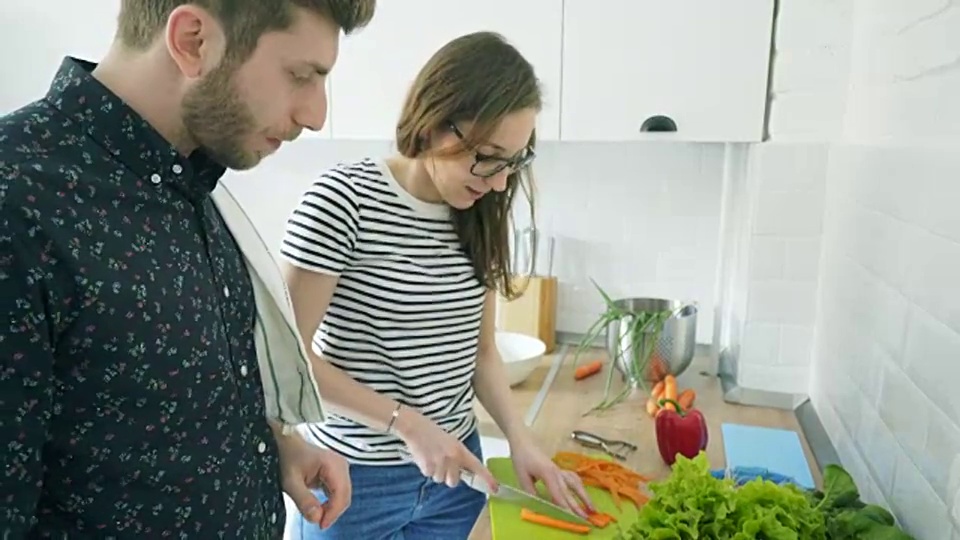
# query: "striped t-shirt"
405, 317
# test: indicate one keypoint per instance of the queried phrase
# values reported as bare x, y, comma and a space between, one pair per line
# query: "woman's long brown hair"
480, 78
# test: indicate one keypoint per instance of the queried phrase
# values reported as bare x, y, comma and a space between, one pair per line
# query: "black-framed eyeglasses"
486, 165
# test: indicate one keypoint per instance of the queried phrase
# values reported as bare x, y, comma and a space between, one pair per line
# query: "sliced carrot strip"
540, 519
600, 519
620, 481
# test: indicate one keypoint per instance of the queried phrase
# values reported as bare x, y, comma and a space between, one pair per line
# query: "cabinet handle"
658, 123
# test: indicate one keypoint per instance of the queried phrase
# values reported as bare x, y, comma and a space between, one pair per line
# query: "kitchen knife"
516, 496
535, 504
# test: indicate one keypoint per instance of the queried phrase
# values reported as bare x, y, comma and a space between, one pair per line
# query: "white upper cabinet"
703, 64
377, 65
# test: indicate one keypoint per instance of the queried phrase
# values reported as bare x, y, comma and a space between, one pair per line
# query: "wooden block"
534, 313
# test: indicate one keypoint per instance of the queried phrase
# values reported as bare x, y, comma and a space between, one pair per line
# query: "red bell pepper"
680, 432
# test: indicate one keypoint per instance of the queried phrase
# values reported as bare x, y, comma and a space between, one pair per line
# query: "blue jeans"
399, 503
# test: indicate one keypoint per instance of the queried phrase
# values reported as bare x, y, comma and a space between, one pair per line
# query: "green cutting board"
505, 522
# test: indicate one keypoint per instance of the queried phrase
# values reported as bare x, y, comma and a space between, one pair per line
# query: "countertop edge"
534, 410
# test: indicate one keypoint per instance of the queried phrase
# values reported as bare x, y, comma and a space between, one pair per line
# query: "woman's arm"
438, 454
311, 293
493, 390
490, 381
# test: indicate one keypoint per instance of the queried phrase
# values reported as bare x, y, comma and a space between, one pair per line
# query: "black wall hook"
659, 123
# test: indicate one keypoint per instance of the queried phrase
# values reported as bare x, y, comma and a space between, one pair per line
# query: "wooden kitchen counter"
562, 413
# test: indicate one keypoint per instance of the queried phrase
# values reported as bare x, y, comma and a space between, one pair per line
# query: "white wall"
871, 104
639, 218
887, 359
783, 210
784, 213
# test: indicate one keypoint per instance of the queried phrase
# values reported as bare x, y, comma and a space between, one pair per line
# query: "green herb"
691, 504
644, 329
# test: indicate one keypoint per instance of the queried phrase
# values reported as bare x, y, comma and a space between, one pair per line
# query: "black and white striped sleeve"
321, 232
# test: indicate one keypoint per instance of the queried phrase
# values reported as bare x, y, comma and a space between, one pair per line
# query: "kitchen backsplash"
638, 218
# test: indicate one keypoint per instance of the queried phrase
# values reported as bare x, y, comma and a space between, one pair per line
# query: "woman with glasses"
393, 266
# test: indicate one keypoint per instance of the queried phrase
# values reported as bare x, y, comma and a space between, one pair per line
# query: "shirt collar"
126, 135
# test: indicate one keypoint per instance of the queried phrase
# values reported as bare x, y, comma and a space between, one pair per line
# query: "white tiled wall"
886, 356
785, 220
639, 218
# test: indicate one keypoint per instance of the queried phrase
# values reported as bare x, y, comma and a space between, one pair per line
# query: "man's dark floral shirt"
130, 399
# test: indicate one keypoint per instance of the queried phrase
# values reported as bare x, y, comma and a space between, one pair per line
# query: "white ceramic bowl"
521, 354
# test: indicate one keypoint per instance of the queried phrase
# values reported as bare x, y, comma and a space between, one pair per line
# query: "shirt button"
177, 169
262, 447
226, 291
155, 178
273, 518
243, 371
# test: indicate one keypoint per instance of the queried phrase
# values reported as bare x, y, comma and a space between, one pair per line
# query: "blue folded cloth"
741, 475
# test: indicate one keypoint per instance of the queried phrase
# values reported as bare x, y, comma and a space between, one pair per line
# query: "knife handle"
467, 477
471, 479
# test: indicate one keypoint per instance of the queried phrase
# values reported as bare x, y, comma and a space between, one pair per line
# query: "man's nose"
311, 113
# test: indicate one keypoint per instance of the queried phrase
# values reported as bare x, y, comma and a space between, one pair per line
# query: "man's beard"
216, 119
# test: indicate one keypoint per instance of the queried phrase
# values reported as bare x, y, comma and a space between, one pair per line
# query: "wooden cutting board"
505, 522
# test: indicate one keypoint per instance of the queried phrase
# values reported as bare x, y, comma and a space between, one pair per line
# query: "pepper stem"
680, 410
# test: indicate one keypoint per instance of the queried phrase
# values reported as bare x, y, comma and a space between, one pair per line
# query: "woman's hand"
531, 465
439, 455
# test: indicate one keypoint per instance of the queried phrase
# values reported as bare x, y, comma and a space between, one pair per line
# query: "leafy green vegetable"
849, 518
839, 488
691, 504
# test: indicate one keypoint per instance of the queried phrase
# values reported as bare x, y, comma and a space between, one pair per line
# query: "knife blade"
536, 504
513, 495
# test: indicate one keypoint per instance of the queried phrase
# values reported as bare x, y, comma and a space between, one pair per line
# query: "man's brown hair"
244, 21
479, 78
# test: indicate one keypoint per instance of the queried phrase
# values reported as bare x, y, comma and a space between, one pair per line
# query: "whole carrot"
686, 398
587, 370
670, 391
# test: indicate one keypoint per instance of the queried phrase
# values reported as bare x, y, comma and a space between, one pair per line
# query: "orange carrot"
620, 481
686, 398
540, 519
652, 406
600, 519
670, 391
587, 370
657, 395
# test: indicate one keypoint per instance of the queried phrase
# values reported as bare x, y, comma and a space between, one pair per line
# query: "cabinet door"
703, 64
377, 65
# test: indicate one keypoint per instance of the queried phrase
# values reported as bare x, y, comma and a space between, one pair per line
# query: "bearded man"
131, 399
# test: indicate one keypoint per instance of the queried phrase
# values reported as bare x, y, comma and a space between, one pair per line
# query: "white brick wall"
887, 357
639, 218
783, 250
886, 354
810, 71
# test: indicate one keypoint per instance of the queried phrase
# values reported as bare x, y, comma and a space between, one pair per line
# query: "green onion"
642, 324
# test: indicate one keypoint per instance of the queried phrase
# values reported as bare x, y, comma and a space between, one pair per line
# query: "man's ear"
195, 40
